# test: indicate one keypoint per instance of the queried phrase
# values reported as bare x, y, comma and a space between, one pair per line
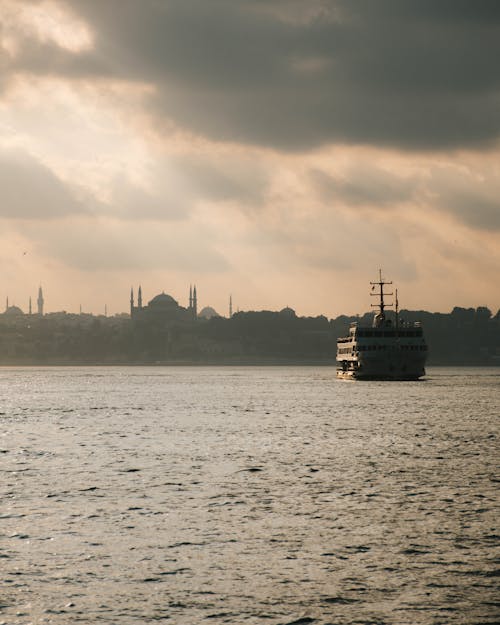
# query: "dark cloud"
31, 191
416, 74
470, 197
364, 185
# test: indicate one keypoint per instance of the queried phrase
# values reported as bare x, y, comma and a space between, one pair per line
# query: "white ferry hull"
357, 375
394, 368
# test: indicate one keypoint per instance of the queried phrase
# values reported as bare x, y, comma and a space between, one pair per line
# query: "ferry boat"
389, 349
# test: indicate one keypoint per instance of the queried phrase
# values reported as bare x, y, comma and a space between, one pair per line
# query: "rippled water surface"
247, 495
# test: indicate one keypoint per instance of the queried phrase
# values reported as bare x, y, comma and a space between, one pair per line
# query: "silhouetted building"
208, 312
40, 301
163, 309
13, 311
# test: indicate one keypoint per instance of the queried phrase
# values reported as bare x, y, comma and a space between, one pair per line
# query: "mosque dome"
208, 312
163, 300
287, 312
14, 311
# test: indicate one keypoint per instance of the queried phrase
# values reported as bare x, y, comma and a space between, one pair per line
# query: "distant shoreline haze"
168, 334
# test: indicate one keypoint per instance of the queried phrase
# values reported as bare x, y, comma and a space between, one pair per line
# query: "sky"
280, 151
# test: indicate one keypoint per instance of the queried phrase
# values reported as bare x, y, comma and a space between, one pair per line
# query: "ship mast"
381, 305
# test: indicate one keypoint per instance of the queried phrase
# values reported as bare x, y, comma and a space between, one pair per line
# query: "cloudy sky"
278, 150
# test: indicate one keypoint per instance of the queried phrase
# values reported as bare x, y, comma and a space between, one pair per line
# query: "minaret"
40, 301
131, 302
195, 304
139, 297
190, 298
230, 306
30, 307
7, 303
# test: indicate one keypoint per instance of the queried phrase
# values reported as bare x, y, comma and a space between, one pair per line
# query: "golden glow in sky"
167, 148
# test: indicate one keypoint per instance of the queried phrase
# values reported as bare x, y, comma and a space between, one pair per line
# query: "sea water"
259, 495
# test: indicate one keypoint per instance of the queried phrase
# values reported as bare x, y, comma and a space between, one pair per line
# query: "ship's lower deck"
392, 366
396, 377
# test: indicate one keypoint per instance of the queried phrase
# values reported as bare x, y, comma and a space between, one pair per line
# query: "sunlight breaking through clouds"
46, 21
256, 144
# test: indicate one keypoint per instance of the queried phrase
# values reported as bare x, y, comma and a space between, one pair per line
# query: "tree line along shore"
465, 336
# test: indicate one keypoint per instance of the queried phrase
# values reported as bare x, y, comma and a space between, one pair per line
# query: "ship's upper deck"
403, 330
